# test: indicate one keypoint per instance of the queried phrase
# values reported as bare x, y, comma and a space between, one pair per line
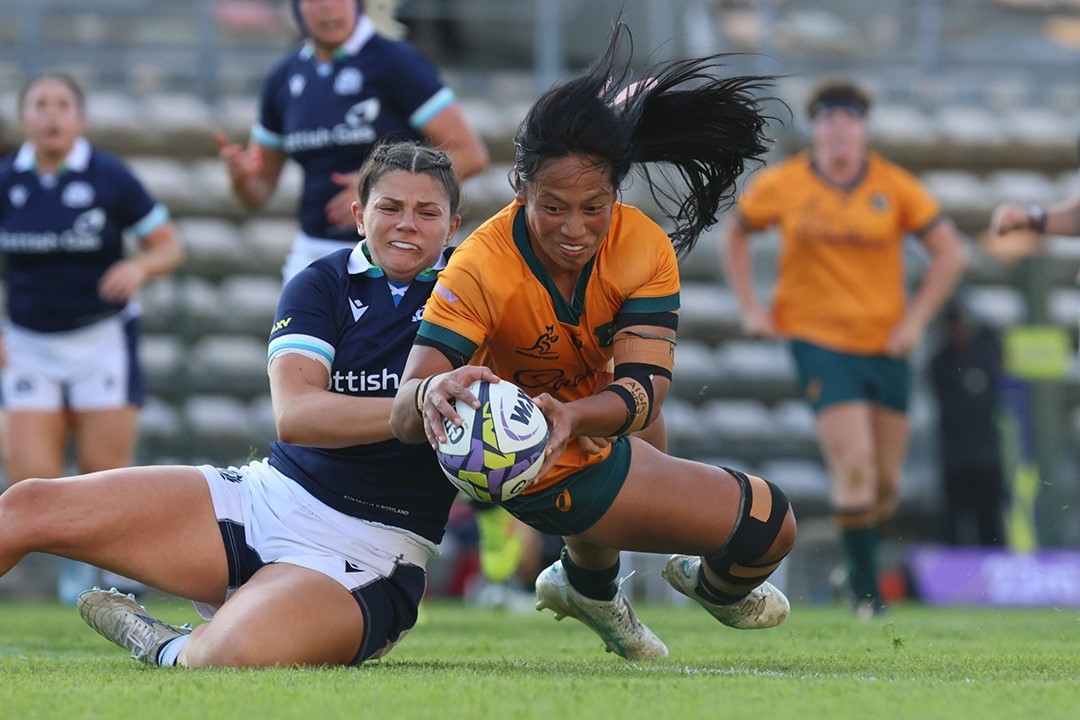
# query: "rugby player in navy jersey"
70, 367
325, 106
316, 555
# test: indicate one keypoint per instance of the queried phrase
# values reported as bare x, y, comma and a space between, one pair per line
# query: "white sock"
171, 650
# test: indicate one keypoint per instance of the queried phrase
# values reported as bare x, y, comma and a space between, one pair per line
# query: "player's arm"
644, 358
450, 132
307, 412
737, 261
947, 263
1062, 218
161, 252
254, 171
430, 385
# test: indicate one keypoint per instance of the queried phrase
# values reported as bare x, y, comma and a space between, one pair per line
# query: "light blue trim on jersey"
266, 138
435, 105
154, 219
307, 345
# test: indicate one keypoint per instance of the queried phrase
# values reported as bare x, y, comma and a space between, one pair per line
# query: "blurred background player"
70, 341
843, 212
966, 375
326, 104
317, 555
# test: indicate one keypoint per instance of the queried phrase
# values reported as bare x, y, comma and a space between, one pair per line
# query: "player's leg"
892, 432
35, 442
154, 524
284, 615
105, 439
583, 584
847, 443
734, 529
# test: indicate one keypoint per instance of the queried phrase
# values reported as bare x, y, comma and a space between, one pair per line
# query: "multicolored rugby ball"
499, 447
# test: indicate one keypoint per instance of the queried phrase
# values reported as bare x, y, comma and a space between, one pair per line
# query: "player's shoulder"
780, 170
878, 163
283, 66
106, 160
390, 51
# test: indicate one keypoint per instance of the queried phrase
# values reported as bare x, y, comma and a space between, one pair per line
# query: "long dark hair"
681, 122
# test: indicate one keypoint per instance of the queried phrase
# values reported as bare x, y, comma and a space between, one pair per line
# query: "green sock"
594, 584
861, 549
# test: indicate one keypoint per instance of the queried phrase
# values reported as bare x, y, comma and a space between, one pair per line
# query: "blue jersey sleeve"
306, 319
270, 129
419, 92
132, 206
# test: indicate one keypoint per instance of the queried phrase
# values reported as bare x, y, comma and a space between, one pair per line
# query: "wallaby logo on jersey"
542, 348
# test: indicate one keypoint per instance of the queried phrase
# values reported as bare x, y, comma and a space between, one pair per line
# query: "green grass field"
919, 662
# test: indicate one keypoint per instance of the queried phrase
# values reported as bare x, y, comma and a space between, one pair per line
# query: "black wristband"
1036, 216
421, 390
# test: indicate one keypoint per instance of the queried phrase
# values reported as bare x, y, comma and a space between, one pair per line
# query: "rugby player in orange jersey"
843, 213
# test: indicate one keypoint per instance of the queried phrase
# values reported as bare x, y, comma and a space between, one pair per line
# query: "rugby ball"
499, 448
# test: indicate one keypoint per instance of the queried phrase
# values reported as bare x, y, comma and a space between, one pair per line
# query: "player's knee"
766, 527
851, 517
25, 508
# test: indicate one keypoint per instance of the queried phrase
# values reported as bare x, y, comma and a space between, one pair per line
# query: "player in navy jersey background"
316, 555
325, 105
69, 345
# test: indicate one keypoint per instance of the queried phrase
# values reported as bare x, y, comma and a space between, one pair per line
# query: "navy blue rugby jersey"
328, 116
60, 233
339, 311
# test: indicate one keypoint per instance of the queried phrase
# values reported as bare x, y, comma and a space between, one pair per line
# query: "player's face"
51, 117
840, 131
568, 211
329, 22
407, 223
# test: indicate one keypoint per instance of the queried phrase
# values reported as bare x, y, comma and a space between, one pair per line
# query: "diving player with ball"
566, 279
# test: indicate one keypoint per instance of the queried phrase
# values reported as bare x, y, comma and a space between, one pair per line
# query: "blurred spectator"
966, 376
325, 106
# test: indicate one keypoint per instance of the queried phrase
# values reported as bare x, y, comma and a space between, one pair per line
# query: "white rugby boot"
764, 607
613, 620
120, 619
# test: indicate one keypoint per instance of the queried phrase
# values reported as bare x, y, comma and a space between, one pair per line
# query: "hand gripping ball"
499, 447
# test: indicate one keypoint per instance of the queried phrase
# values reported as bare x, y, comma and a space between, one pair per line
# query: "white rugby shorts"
283, 523
90, 368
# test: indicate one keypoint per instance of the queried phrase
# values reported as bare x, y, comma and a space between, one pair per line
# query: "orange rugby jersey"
495, 303
840, 280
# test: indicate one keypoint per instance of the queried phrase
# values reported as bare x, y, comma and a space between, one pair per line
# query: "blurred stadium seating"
976, 124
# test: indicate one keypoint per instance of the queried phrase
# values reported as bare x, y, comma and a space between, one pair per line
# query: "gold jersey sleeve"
495, 302
841, 280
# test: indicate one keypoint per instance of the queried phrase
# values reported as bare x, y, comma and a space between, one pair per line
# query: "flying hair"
687, 130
